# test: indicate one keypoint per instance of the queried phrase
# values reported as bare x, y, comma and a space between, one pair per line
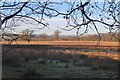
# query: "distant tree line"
28, 35
56, 36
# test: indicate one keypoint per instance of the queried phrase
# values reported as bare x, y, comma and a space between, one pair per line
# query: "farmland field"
61, 59
104, 43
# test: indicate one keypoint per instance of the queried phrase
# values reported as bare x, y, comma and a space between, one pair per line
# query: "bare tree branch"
8, 17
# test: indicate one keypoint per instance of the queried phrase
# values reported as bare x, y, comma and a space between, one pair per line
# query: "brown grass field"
65, 43
78, 44
75, 59
90, 44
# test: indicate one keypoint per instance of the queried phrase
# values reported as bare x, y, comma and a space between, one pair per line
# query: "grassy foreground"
59, 61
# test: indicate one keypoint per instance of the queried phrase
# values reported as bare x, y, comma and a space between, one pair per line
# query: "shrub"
42, 62
13, 60
31, 73
99, 65
83, 56
66, 66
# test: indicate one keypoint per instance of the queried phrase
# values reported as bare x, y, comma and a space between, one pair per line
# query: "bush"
83, 56
13, 60
42, 62
99, 65
31, 73
66, 66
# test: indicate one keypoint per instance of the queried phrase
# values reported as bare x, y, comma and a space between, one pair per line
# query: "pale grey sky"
53, 23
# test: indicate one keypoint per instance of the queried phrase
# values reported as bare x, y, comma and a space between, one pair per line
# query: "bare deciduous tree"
43, 36
26, 34
57, 34
78, 14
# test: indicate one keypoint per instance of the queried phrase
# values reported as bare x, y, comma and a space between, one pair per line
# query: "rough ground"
57, 70
56, 61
